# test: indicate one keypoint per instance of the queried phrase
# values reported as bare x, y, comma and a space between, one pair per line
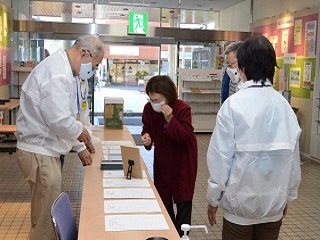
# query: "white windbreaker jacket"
46, 124
82, 90
253, 156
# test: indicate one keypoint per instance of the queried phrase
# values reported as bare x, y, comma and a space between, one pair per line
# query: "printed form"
128, 193
125, 183
119, 174
135, 222
131, 206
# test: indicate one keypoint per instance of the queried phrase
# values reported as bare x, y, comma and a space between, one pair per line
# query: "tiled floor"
302, 221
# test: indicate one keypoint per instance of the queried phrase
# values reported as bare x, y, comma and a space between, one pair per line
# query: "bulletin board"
301, 87
5, 45
293, 35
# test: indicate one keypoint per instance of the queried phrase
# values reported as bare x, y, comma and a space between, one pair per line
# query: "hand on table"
85, 157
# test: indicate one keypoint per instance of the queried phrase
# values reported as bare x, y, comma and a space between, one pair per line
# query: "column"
66, 17
172, 49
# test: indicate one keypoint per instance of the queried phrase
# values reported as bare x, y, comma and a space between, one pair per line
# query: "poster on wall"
297, 32
307, 75
296, 56
1, 67
4, 66
310, 39
295, 76
5, 46
285, 22
274, 42
1, 27
290, 58
5, 24
284, 41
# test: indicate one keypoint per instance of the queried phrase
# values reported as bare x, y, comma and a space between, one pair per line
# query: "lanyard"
78, 102
83, 93
256, 86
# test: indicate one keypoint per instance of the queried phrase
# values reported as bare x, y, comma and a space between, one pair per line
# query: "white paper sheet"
119, 174
125, 183
128, 193
131, 206
115, 151
135, 222
113, 174
111, 150
117, 143
110, 157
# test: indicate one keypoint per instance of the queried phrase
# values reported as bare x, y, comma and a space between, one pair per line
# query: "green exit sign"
138, 23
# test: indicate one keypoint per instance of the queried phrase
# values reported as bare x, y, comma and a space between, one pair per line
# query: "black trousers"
62, 161
183, 215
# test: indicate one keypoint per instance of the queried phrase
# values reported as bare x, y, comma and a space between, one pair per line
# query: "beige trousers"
43, 174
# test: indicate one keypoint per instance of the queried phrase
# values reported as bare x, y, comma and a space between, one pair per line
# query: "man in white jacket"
47, 128
253, 157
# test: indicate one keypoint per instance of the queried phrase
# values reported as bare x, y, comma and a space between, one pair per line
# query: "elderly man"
230, 78
47, 128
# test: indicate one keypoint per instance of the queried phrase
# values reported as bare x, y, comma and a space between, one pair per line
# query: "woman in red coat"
167, 125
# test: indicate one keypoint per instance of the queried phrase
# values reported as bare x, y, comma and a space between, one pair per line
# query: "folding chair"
63, 220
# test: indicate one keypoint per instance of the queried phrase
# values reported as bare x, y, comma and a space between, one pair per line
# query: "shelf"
201, 88
22, 69
199, 81
201, 91
20, 74
204, 114
203, 102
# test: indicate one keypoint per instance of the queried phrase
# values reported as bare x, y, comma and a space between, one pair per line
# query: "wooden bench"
8, 141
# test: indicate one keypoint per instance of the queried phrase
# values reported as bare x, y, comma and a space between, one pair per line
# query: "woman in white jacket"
253, 157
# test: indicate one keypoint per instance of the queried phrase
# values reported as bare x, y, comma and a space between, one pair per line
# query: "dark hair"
257, 59
164, 85
46, 53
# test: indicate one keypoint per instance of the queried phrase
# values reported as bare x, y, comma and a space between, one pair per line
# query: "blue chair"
63, 220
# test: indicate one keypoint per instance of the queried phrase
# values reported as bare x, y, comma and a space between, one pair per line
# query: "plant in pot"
141, 74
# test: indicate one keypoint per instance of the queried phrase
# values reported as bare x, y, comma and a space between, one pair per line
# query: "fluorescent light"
131, 4
93, 28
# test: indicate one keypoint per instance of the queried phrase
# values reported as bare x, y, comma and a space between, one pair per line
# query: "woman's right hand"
146, 140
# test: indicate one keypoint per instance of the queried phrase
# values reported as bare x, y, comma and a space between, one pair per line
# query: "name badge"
84, 104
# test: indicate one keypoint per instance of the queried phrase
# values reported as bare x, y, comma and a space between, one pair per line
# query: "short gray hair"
233, 47
91, 43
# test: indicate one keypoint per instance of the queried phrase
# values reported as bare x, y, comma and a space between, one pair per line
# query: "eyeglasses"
87, 51
95, 68
157, 100
232, 63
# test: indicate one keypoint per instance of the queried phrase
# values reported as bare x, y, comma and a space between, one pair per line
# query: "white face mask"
233, 74
86, 71
157, 106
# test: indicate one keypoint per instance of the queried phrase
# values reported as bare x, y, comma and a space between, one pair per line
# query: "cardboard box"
113, 113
